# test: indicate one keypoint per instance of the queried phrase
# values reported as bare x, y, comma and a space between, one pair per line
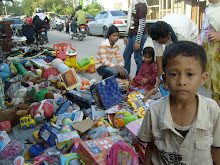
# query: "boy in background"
183, 127
107, 50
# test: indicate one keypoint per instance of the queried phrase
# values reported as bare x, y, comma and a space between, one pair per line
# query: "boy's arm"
118, 57
149, 93
159, 68
215, 155
148, 154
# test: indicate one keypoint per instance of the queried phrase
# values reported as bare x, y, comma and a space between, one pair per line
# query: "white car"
105, 19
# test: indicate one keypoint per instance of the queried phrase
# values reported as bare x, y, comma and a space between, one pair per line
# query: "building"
194, 9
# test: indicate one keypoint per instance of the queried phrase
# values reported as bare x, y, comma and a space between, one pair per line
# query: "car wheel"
70, 35
87, 31
105, 32
31, 126
24, 127
91, 69
80, 37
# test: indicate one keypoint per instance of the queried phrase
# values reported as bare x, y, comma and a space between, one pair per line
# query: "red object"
29, 20
82, 88
118, 22
46, 110
96, 151
61, 49
48, 72
5, 126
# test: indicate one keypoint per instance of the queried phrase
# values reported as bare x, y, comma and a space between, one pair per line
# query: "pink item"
42, 158
122, 153
12, 149
48, 72
5, 126
19, 161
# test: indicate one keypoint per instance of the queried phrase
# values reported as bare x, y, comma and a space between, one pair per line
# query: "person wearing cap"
107, 50
136, 34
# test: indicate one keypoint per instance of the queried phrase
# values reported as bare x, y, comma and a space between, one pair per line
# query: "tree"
94, 8
11, 8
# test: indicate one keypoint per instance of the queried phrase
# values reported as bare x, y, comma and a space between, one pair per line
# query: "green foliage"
12, 8
94, 8
60, 7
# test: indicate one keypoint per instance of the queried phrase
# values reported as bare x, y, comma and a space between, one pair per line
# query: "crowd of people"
182, 122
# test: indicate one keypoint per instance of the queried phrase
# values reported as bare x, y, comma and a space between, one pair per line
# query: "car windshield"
118, 13
17, 21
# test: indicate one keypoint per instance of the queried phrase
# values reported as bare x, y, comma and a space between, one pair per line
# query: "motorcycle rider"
40, 20
80, 16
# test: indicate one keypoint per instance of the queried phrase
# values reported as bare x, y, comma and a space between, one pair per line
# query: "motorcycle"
80, 34
41, 36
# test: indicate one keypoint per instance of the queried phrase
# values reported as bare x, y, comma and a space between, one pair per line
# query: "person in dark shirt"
136, 34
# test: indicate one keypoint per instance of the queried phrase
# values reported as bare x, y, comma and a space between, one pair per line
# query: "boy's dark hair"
79, 7
159, 29
187, 49
149, 50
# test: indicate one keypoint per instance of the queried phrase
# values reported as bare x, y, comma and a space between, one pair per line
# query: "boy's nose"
181, 81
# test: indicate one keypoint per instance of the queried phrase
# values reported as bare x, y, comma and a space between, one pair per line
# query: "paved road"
88, 47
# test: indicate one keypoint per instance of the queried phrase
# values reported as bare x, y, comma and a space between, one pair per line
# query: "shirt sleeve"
216, 128
102, 53
138, 79
76, 15
152, 77
158, 48
142, 12
145, 133
118, 57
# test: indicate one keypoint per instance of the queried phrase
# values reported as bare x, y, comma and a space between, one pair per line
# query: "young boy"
184, 127
107, 50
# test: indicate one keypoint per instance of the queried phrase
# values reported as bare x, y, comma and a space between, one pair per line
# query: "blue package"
106, 93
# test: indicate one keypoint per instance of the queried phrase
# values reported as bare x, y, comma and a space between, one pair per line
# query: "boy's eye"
173, 74
190, 74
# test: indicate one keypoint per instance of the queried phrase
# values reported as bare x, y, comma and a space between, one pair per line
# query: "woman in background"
211, 41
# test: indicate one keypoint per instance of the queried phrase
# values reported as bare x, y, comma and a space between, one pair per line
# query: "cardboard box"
106, 93
94, 152
4, 139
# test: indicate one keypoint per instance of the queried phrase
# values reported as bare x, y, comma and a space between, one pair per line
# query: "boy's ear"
204, 77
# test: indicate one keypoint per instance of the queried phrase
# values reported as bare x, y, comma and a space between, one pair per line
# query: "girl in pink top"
146, 77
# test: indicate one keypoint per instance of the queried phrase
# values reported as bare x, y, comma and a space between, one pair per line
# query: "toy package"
106, 93
75, 117
95, 151
4, 139
96, 133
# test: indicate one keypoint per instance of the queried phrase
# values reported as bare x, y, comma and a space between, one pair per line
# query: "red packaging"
94, 152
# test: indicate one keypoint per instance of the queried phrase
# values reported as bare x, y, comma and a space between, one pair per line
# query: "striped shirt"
106, 53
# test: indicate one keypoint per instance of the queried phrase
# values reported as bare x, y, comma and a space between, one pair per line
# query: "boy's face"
184, 76
114, 37
164, 40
